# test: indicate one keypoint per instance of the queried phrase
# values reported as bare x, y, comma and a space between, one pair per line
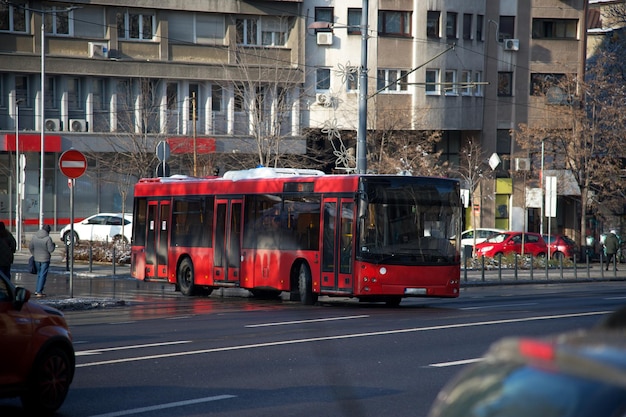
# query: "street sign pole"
73, 164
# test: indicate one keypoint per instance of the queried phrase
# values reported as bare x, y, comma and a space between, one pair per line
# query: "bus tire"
305, 286
185, 277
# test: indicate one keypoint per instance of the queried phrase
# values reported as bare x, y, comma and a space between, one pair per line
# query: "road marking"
285, 323
455, 363
499, 306
99, 351
615, 298
164, 406
339, 337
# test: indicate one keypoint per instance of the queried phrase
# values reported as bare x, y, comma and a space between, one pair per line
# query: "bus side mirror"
363, 205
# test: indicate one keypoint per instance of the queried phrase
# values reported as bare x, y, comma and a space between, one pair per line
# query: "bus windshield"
409, 223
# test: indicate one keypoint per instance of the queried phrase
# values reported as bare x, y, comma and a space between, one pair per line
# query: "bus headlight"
382, 270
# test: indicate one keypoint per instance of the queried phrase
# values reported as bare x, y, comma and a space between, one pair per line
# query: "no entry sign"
72, 163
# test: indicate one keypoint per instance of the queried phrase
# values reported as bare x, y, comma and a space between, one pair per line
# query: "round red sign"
72, 163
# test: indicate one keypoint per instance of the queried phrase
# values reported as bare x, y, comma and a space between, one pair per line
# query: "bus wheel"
305, 286
185, 277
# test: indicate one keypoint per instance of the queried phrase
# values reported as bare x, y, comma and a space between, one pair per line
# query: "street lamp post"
43, 119
361, 144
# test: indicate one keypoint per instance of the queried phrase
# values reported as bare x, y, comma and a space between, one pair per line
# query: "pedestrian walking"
41, 247
611, 245
8, 246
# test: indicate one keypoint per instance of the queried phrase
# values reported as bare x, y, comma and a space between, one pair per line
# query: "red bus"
373, 237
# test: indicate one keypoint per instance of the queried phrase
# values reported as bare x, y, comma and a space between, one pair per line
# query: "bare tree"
585, 135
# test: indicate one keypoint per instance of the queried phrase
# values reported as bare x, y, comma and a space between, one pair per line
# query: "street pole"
43, 118
18, 215
361, 145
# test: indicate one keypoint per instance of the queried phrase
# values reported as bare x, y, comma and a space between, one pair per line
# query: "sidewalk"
103, 284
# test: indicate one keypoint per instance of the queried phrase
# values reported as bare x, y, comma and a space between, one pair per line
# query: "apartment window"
394, 23
57, 21
172, 96
505, 84
391, 80
451, 25
478, 87
273, 31
432, 24
239, 98
97, 92
450, 146
480, 22
247, 31
13, 18
74, 101
354, 21
467, 26
22, 92
450, 85
432, 82
270, 31
51, 93
135, 26
324, 14
216, 98
506, 28
322, 81
352, 79
555, 28
466, 80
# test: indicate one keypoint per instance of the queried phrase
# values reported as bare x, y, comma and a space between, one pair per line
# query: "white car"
467, 237
102, 227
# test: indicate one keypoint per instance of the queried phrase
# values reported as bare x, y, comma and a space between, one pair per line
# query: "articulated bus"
377, 238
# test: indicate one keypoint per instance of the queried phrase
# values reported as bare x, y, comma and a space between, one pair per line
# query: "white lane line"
499, 306
340, 337
615, 298
99, 351
164, 406
455, 363
285, 323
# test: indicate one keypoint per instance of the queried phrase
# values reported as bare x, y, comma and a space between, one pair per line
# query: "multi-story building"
118, 78
466, 68
469, 69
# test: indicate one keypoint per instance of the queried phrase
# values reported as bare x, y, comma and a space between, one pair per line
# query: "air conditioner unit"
324, 38
98, 50
53, 125
511, 44
78, 125
522, 164
321, 98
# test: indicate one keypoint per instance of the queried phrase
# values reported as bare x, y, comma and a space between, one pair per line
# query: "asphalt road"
232, 356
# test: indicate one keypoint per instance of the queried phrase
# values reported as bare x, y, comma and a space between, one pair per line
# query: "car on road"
577, 374
36, 352
512, 242
101, 227
481, 234
561, 246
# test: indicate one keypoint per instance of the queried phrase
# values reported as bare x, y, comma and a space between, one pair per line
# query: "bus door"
158, 221
227, 242
337, 245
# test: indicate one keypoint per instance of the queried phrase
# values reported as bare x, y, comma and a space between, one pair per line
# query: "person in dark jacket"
41, 247
8, 246
611, 245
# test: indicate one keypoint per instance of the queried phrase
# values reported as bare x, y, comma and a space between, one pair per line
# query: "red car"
36, 351
511, 242
561, 246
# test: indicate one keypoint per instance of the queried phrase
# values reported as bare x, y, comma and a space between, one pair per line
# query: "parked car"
561, 246
511, 242
467, 237
36, 351
577, 374
102, 227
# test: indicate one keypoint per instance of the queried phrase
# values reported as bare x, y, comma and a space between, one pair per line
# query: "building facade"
469, 69
121, 79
